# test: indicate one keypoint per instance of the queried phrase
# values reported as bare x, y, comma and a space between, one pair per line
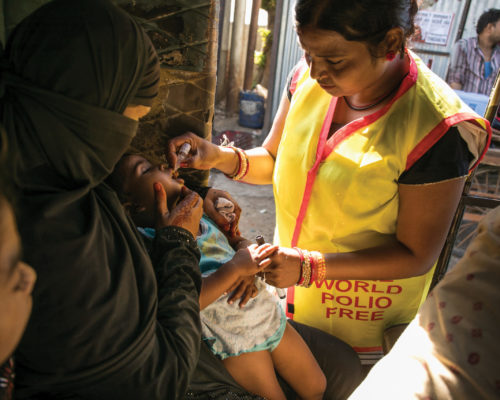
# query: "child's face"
16, 284
138, 176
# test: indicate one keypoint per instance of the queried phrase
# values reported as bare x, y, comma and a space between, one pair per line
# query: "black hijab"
69, 71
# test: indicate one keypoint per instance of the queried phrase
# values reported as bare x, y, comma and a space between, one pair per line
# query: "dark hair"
488, 17
358, 20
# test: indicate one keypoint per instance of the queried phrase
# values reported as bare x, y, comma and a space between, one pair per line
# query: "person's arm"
175, 258
206, 155
246, 261
218, 283
456, 71
425, 214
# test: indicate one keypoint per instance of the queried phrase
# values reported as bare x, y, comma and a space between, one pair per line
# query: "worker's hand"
284, 270
252, 259
229, 228
244, 289
202, 155
186, 214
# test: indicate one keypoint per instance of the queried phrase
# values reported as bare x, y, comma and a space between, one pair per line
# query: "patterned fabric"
450, 350
7, 380
468, 66
228, 329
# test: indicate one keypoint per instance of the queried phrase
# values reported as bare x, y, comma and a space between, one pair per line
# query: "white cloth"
451, 350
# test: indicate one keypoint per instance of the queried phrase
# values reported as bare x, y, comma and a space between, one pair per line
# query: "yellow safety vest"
341, 194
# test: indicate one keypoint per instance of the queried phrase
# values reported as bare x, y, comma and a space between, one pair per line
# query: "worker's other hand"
284, 270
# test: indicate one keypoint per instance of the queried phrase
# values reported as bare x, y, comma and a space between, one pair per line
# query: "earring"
390, 55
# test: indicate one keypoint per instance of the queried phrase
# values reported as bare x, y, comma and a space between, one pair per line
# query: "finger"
264, 263
188, 198
160, 199
235, 224
266, 250
233, 286
238, 293
173, 147
270, 279
188, 161
234, 229
211, 211
245, 297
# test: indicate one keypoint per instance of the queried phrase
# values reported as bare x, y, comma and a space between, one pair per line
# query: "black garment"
449, 158
338, 360
106, 324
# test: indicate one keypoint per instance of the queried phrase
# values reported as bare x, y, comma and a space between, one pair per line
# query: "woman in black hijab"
108, 322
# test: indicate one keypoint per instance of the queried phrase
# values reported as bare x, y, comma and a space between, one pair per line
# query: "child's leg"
295, 364
255, 372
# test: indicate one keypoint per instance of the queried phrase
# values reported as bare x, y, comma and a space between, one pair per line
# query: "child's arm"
239, 242
246, 261
216, 284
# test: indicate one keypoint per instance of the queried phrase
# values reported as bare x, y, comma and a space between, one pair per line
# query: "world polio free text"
359, 300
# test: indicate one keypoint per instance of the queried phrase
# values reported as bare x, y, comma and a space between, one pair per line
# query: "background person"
367, 159
475, 61
108, 320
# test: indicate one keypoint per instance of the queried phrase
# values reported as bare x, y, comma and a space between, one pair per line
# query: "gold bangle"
306, 269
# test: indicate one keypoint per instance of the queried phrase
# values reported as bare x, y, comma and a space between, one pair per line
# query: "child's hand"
243, 289
230, 229
253, 259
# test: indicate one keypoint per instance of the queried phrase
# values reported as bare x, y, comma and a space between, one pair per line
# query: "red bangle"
301, 255
240, 163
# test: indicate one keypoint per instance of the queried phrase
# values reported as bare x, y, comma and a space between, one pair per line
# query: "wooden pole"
223, 58
235, 74
252, 39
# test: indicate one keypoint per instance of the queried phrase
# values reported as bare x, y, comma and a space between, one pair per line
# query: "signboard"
432, 27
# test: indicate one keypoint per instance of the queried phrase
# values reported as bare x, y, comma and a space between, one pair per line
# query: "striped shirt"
467, 66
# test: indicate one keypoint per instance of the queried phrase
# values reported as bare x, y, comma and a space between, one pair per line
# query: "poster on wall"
433, 27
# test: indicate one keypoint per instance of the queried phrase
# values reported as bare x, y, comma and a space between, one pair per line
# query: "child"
253, 341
